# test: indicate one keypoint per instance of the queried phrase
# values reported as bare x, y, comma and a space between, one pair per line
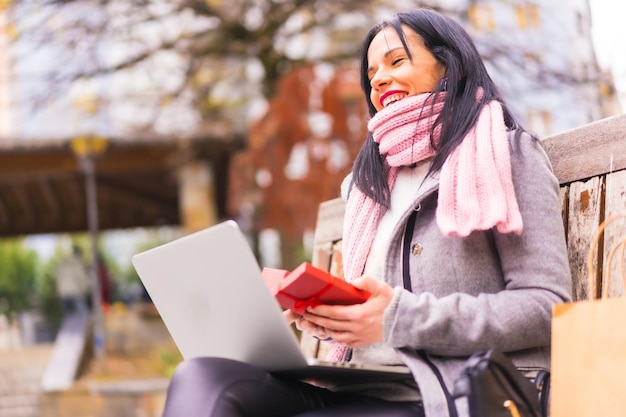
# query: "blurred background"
128, 123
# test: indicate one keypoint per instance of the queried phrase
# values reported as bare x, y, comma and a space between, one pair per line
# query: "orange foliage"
258, 176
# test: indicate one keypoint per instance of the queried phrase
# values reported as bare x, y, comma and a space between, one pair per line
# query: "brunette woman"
453, 223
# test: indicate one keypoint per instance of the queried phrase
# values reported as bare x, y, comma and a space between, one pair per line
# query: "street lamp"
87, 149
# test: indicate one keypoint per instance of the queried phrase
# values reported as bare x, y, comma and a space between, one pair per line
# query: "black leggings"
216, 387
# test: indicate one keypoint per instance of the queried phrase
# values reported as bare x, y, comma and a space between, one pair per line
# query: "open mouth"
391, 97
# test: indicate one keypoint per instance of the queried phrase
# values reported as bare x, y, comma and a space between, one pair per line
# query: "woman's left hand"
357, 324
304, 325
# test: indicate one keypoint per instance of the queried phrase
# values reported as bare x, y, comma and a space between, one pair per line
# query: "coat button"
416, 249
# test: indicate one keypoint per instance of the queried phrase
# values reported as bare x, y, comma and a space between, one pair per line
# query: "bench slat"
329, 221
583, 221
590, 150
616, 231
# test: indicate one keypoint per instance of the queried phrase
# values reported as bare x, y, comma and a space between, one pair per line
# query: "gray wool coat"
486, 291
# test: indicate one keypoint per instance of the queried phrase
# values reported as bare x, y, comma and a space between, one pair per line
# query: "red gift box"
310, 286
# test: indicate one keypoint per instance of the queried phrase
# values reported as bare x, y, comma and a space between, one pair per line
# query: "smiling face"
393, 76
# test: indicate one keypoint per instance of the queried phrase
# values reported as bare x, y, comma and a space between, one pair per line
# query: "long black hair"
465, 73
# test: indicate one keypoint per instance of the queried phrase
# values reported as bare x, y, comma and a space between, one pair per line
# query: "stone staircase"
70, 345
21, 371
130, 382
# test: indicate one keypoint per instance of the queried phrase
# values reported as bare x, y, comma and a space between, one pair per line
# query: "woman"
452, 223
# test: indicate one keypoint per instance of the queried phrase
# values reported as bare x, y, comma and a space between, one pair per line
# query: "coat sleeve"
491, 290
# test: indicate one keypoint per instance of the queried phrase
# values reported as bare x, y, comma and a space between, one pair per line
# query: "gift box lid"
308, 285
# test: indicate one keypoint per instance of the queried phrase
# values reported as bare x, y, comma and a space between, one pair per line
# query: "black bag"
495, 388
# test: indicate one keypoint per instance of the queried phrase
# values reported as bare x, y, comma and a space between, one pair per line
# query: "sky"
609, 31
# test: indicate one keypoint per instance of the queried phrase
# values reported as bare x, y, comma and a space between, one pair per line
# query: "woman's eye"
396, 61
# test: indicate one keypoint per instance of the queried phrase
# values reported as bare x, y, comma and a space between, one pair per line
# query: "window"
527, 16
481, 16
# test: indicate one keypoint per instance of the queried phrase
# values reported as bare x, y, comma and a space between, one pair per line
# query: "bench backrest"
590, 164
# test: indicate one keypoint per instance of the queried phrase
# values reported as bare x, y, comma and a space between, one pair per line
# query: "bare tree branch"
214, 41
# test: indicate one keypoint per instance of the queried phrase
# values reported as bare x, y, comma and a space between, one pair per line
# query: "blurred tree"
181, 65
299, 152
210, 45
48, 302
18, 271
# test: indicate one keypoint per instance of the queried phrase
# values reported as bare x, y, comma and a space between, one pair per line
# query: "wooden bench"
590, 164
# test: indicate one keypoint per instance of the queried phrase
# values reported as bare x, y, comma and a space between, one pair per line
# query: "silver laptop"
208, 290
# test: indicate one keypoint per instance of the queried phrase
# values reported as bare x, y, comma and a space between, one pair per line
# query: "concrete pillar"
198, 205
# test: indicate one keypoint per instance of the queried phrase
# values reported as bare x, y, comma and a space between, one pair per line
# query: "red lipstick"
387, 94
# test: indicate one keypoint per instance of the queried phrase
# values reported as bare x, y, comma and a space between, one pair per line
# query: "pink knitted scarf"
475, 183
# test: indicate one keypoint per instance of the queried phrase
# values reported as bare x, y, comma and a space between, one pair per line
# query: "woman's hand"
304, 325
353, 325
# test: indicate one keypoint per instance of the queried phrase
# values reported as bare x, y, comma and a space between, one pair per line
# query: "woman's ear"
441, 54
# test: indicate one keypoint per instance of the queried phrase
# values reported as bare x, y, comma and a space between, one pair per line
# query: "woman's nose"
380, 78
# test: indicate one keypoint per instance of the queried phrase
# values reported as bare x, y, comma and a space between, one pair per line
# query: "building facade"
5, 35
542, 56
